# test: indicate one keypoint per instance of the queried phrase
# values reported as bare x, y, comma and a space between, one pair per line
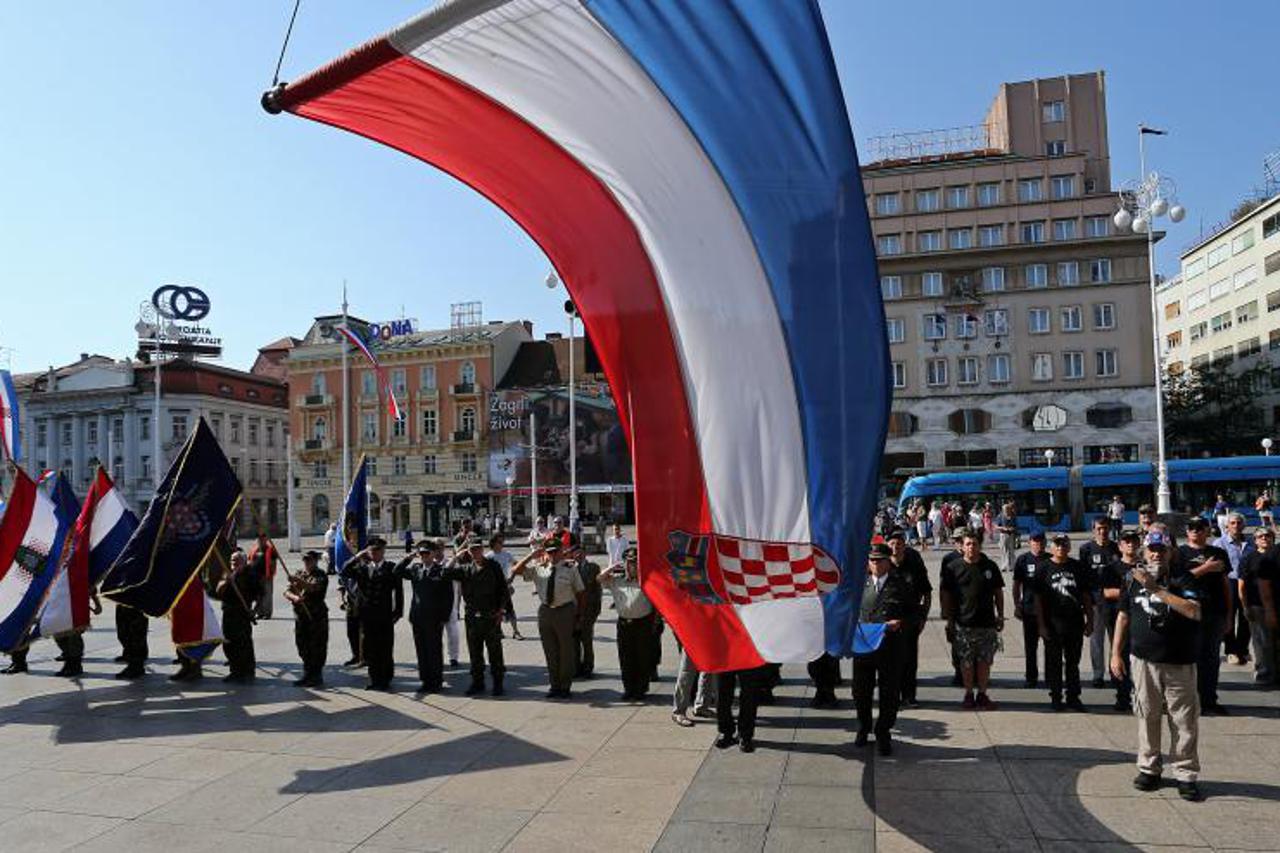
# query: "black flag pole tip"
271, 99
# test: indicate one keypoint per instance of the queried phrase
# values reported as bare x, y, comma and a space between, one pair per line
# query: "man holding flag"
351, 537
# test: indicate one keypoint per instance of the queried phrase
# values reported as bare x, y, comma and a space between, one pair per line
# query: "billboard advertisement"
604, 462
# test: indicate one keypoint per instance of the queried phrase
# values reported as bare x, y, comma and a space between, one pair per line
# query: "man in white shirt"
616, 545
504, 558
635, 625
1115, 512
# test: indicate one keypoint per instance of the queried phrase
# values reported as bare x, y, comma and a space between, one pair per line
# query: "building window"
1062, 186
935, 327
897, 330
429, 464
1037, 275
319, 429
960, 238
1030, 189
1032, 232
468, 463
429, 424
368, 383
317, 383
1038, 322
1273, 301
320, 469
1103, 454
1271, 226
1064, 229
988, 195
371, 465
886, 204
889, 244
1100, 270
1241, 242
1055, 148
969, 421
399, 427
1073, 365
1219, 289
1191, 269
467, 420
935, 372
957, 197
1068, 273
999, 368
1072, 318
1246, 313
1097, 226
899, 375
1173, 310
1273, 344
990, 235
253, 432
1224, 355
928, 201
967, 370
1104, 315
427, 377
995, 322
966, 327
1105, 362
902, 424
145, 468
891, 286
1245, 277
369, 426
1220, 322
178, 431
1218, 254
42, 429
1198, 331
1253, 346
1053, 111
931, 284
929, 241
1173, 340
91, 433
992, 279
398, 467
1041, 366
253, 470
467, 375
1197, 300
399, 383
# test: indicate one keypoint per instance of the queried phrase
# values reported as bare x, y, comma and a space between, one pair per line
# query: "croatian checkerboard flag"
689, 169
33, 533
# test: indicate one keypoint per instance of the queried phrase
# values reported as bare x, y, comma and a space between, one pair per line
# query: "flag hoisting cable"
275, 78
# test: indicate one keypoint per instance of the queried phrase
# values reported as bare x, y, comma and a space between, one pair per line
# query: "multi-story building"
426, 469
98, 409
1019, 320
1224, 307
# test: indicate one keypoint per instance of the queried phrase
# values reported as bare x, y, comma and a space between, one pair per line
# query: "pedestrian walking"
1026, 577
559, 588
973, 605
1006, 525
1220, 511
1115, 517
1064, 609
330, 539
1157, 625
306, 593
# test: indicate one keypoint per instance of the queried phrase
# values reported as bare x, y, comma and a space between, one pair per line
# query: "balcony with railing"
315, 400
465, 435
466, 389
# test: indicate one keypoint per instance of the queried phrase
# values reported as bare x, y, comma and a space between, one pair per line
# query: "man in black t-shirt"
1025, 575
1268, 579
948, 559
1096, 554
1157, 625
1259, 563
1209, 565
1064, 607
908, 564
973, 605
1114, 579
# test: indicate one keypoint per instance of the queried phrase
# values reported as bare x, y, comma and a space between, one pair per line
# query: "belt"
629, 620
559, 606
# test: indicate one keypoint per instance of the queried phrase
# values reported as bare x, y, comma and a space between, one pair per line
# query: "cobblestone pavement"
97, 764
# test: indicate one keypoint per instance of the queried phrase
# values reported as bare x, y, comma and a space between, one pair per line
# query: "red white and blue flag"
33, 534
689, 169
10, 437
194, 625
393, 405
103, 527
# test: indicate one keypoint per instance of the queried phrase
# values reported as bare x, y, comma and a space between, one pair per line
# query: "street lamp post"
572, 310
511, 499
1048, 463
1266, 446
1142, 202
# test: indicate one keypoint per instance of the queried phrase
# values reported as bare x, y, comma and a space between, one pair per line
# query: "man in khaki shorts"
1157, 623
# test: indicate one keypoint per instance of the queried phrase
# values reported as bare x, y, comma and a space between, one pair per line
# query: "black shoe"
131, 672
884, 745
475, 688
14, 669
1146, 782
553, 694
1077, 706
352, 662
1056, 704
60, 658
70, 670
497, 690
453, 662
305, 681
1122, 706
747, 745
1189, 791
1099, 682
119, 659
957, 681
911, 703
725, 741
861, 738
1215, 710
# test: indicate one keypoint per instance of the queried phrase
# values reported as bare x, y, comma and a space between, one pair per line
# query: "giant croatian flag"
101, 531
689, 169
33, 534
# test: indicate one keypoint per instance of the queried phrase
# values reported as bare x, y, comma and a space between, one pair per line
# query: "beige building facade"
1019, 319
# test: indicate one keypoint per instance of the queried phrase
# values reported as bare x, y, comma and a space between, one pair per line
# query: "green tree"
1213, 409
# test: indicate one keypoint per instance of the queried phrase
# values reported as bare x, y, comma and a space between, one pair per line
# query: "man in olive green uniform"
559, 587
584, 634
131, 630
378, 596
310, 619
484, 595
239, 591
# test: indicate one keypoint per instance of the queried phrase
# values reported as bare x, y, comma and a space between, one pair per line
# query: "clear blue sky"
133, 153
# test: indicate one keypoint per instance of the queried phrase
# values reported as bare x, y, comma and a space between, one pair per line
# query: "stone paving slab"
96, 764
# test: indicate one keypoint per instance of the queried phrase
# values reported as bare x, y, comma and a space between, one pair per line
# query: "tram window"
1098, 498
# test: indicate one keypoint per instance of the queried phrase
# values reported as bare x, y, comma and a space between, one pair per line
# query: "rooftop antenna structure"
466, 316
1271, 173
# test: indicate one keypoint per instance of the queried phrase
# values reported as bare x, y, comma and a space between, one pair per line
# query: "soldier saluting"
377, 594
429, 609
306, 593
484, 594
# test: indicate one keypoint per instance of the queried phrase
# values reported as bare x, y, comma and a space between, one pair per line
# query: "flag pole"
346, 409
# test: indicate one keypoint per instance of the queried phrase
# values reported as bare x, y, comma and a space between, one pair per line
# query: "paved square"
97, 764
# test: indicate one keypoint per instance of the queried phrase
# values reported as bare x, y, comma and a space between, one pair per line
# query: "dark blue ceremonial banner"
353, 529
179, 530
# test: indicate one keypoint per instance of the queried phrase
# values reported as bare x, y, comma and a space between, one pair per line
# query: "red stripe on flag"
378, 93
17, 517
